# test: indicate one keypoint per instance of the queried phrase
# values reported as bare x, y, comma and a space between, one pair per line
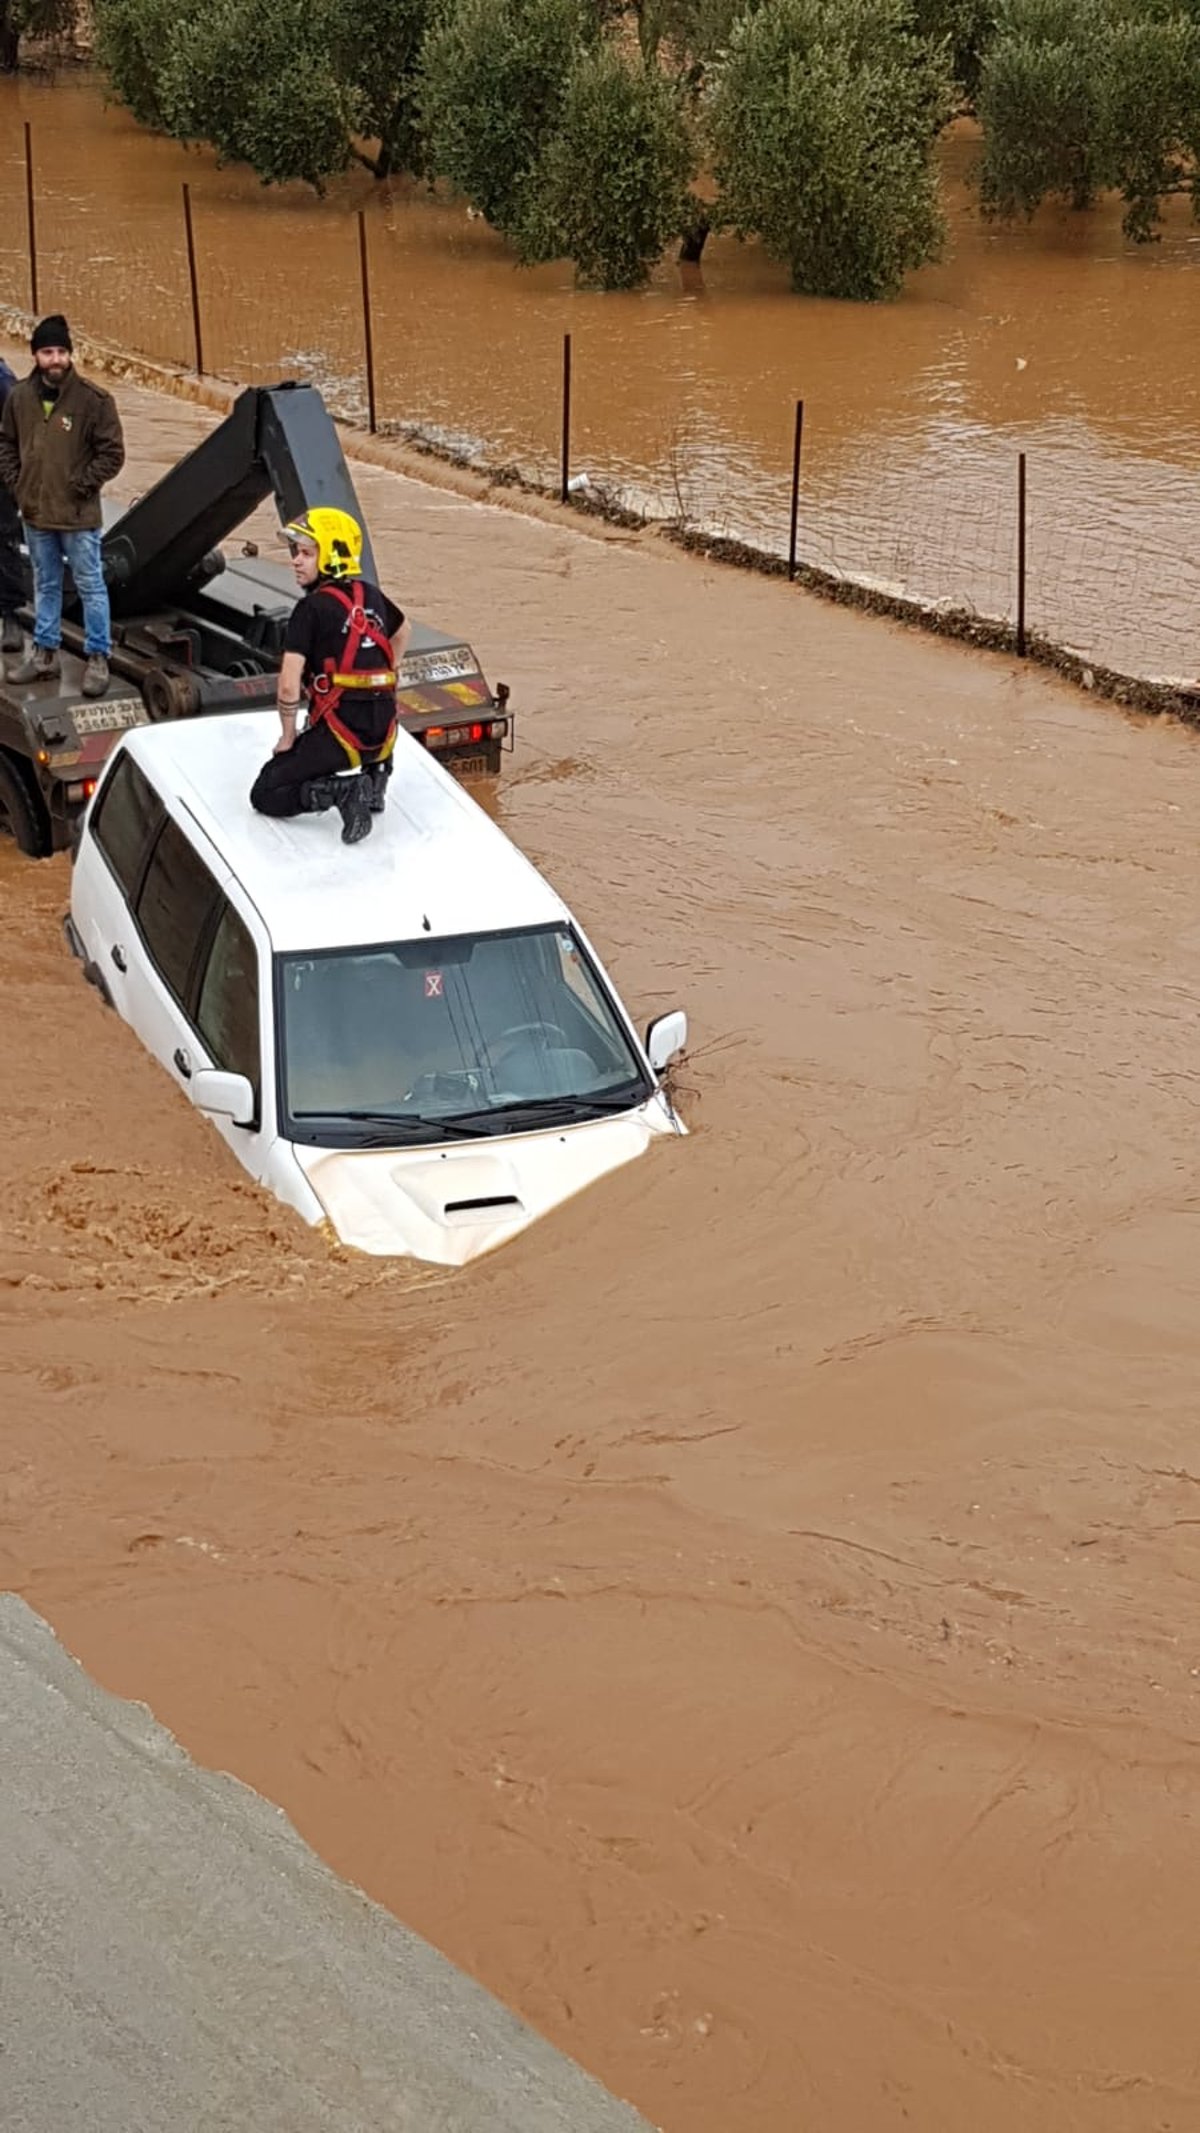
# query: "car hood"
455, 1201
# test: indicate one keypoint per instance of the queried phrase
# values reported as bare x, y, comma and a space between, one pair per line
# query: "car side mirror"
665, 1039
223, 1095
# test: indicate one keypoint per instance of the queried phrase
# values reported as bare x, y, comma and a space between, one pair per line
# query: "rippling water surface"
1059, 339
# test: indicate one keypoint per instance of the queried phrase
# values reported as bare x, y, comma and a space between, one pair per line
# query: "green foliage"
494, 79
376, 46
681, 34
281, 85
43, 18
689, 33
1152, 115
966, 27
1078, 97
1040, 106
821, 121
40, 20
611, 188
133, 43
284, 111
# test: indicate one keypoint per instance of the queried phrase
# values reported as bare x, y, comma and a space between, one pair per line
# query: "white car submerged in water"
409, 1038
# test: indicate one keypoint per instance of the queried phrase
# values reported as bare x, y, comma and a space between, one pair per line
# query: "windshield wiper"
549, 1108
393, 1122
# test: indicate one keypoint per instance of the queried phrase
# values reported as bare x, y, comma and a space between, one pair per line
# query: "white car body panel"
435, 867
416, 1200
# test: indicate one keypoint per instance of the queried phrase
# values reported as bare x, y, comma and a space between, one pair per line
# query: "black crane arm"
277, 440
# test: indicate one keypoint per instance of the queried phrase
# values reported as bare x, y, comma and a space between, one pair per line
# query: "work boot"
95, 675
352, 800
12, 636
38, 665
316, 795
379, 773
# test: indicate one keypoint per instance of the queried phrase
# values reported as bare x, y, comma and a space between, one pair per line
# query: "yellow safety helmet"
337, 537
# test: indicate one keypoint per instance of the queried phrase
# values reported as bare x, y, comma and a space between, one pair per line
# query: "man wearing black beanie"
60, 442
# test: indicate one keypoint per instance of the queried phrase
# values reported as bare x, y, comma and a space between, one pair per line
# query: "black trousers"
315, 753
12, 581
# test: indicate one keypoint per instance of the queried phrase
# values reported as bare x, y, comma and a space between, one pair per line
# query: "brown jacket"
56, 465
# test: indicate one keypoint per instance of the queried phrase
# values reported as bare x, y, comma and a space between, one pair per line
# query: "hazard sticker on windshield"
433, 984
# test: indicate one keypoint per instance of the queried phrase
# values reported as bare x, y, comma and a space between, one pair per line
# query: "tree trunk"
380, 166
695, 236
9, 40
1083, 190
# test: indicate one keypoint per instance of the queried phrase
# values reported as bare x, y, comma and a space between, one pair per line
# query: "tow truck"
197, 632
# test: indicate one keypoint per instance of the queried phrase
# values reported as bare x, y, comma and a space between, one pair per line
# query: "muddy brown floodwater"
751, 1622
1057, 338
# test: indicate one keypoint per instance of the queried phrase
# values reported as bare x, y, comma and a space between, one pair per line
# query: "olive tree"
679, 38
134, 39
821, 119
610, 190
321, 81
494, 76
1151, 136
1079, 97
376, 47
1041, 106
289, 115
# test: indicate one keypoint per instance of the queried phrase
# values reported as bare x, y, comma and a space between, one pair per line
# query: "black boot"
379, 773
352, 799
317, 795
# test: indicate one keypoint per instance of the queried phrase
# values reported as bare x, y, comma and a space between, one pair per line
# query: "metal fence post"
195, 286
565, 483
33, 273
796, 445
1021, 555
368, 341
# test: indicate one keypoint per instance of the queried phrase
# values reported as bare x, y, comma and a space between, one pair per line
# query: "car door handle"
183, 1062
118, 956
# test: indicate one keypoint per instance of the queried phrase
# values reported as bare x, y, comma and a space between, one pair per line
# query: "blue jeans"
47, 553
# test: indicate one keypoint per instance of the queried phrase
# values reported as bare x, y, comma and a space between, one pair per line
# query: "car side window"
123, 821
227, 1003
177, 899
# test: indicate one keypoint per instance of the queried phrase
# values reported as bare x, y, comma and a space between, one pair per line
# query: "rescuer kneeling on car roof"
342, 649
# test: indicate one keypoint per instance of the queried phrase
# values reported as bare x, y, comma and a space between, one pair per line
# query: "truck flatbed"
197, 632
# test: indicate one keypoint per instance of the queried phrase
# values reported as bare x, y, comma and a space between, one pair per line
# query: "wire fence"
968, 529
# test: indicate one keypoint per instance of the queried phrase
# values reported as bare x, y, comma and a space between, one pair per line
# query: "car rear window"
125, 818
178, 898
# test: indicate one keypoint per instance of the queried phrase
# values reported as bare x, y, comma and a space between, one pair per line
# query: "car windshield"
440, 1039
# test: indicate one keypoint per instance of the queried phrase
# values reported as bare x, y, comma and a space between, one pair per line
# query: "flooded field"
1059, 339
750, 1622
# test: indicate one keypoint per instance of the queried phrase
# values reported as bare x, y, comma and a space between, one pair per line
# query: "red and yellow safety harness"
338, 675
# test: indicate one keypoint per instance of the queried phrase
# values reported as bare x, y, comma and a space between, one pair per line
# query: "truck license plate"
469, 766
436, 666
112, 717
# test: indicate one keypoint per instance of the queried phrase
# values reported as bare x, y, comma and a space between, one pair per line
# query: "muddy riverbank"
748, 1623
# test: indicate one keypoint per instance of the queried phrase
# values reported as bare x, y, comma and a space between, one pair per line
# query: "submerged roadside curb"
395, 447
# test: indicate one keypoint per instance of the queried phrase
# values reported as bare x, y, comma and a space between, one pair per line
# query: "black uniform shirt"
317, 630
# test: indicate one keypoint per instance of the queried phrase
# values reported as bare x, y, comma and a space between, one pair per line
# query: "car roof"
434, 864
